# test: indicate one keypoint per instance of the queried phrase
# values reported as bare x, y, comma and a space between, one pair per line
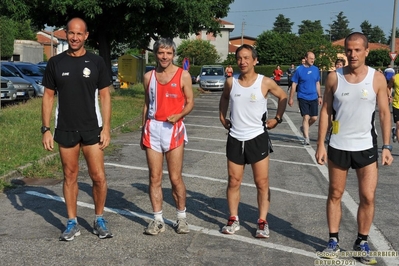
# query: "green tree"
24, 31
7, 36
230, 60
367, 29
134, 22
377, 58
277, 48
282, 24
199, 52
310, 26
390, 36
378, 35
339, 29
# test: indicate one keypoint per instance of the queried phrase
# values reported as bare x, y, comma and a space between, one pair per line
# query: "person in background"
248, 140
79, 77
351, 95
229, 71
389, 72
306, 82
277, 74
393, 95
168, 99
290, 72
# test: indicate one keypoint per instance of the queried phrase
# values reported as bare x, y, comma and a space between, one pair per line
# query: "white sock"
181, 214
158, 216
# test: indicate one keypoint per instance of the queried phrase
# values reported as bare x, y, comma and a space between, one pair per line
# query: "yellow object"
130, 70
335, 127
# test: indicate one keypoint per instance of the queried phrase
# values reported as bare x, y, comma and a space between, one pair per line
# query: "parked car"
28, 71
115, 77
212, 77
8, 92
24, 88
283, 80
149, 68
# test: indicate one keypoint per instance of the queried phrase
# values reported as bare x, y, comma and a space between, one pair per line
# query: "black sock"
334, 235
360, 238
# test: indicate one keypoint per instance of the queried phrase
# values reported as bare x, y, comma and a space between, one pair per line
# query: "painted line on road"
200, 229
220, 181
376, 237
223, 153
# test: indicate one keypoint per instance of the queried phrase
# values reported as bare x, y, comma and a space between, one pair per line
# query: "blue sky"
259, 15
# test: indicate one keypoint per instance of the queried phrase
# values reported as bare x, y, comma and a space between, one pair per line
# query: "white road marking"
220, 181
200, 229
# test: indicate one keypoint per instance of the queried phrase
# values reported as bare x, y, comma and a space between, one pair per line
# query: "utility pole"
242, 32
393, 37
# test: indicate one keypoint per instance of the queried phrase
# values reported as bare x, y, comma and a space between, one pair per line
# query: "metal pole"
393, 38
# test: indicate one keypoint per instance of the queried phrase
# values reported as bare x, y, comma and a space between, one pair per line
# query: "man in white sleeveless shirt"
248, 141
350, 98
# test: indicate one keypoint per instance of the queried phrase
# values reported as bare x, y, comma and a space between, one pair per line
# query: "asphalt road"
32, 216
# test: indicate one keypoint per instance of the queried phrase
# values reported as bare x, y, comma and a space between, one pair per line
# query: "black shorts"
395, 113
71, 138
250, 151
307, 107
353, 159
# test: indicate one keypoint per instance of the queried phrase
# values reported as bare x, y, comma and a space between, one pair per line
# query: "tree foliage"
277, 48
379, 57
200, 52
133, 22
7, 36
339, 29
282, 24
374, 34
309, 26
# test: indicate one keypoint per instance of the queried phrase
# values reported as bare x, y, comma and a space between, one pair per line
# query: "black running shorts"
71, 138
250, 151
307, 107
395, 113
353, 159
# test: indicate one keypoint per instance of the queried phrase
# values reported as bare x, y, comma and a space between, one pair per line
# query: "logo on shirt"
174, 85
309, 72
365, 94
237, 95
65, 74
86, 72
170, 95
345, 94
253, 97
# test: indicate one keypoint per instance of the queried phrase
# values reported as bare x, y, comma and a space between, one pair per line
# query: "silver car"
8, 92
212, 77
24, 88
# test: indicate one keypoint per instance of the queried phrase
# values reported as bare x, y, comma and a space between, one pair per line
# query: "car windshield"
31, 70
7, 73
212, 72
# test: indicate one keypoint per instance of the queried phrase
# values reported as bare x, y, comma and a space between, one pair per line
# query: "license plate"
20, 93
3, 95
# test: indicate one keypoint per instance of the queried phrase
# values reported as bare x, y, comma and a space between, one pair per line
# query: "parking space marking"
221, 181
200, 229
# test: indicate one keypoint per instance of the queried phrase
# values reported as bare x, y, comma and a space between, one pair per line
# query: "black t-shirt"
77, 81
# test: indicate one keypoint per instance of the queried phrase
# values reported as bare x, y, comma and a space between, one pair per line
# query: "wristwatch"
388, 147
44, 129
279, 119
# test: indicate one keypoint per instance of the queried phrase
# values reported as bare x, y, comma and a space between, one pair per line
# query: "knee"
367, 199
335, 195
262, 184
234, 182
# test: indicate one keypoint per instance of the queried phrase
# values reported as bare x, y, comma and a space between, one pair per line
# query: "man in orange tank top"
168, 99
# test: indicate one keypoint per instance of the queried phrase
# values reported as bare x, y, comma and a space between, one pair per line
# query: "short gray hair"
164, 43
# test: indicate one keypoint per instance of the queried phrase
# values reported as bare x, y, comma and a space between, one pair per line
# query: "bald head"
75, 21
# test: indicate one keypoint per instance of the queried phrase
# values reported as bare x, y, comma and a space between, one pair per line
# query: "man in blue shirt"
307, 80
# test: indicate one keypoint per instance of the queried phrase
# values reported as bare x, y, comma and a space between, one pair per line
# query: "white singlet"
247, 106
354, 106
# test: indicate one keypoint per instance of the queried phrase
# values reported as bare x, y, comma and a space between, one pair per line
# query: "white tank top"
247, 107
354, 107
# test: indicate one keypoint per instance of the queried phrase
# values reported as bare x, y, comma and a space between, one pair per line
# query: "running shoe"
231, 227
100, 228
71, 231
394, 137
263, 229
155, 227
306, 141
181, 226
332, 250
364, 247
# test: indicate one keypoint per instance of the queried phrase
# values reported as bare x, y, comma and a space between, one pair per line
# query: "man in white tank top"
349, 98
248, 141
